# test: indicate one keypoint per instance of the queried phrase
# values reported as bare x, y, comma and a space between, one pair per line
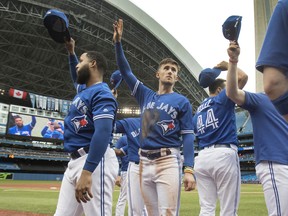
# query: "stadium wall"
31, 176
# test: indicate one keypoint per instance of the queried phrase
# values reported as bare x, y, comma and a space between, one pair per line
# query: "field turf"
41, 197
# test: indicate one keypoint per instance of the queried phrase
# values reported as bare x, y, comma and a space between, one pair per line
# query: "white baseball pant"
121, 203
135, 200
103, 181
217, 172
160, 182
274, 180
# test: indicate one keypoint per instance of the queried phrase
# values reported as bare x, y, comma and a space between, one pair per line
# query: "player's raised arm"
73, 60
33, 122
233, 80
122, 62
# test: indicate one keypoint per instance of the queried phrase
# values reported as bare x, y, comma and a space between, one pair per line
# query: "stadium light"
129, 110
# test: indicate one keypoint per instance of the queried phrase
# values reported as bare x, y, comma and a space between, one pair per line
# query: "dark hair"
171, 61
100, 60
216, 84
17, 116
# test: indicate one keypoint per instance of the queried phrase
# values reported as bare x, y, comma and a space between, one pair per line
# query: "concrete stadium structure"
262, 13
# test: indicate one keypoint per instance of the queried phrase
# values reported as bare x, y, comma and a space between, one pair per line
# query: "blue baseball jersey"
214, 121
164, 118
25, 130
131, 127
57, 135
94, 102
89, 104
120, 144
270, 130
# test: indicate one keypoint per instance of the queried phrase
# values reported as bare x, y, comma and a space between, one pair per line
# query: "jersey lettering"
204, 106
211, 121
150, 105
200, 125
135, 133
80, 105
165, 107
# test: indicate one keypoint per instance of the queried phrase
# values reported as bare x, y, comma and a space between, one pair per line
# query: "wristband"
233, 61
187, 169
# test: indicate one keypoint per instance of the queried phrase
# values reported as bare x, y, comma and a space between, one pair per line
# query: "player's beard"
83, 75
20, 125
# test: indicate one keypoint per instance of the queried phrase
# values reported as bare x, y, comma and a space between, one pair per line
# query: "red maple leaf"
83, 122
171, 125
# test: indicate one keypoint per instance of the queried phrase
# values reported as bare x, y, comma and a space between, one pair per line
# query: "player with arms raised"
166, 116
92, 170
217, 168
270, 148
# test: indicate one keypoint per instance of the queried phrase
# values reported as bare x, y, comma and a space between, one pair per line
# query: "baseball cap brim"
118, 83
116, 79
57, 24
231, 27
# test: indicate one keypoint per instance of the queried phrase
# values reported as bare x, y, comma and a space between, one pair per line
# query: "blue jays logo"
166, 125
79, 122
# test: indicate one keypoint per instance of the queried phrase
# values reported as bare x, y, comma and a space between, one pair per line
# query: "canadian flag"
17, 93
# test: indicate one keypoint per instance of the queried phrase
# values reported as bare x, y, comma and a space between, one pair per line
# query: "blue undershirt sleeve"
125, 149
99, 143
73, 61
33, 122
44, 130
124, 67
188, 149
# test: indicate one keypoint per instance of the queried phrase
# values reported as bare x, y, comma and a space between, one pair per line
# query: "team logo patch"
79, 122
166, 125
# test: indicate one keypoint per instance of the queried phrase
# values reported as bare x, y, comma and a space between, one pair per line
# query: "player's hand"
70, 46
233, 50
223, 66
83, 187
114, 92
118, 181
118, 30
189, 182
118, 152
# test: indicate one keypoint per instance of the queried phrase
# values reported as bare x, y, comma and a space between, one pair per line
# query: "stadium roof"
33, 62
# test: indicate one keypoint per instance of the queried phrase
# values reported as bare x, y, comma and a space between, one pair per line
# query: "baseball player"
20, 128
131, 127
272, 60
166, 116
121, 180
217, 168
89, 179
270, 148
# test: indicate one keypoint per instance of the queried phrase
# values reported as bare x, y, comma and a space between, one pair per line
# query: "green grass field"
44, 201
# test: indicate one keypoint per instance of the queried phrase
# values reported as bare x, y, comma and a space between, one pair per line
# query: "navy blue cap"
116, 79
57, 24
208, 76
231, 28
